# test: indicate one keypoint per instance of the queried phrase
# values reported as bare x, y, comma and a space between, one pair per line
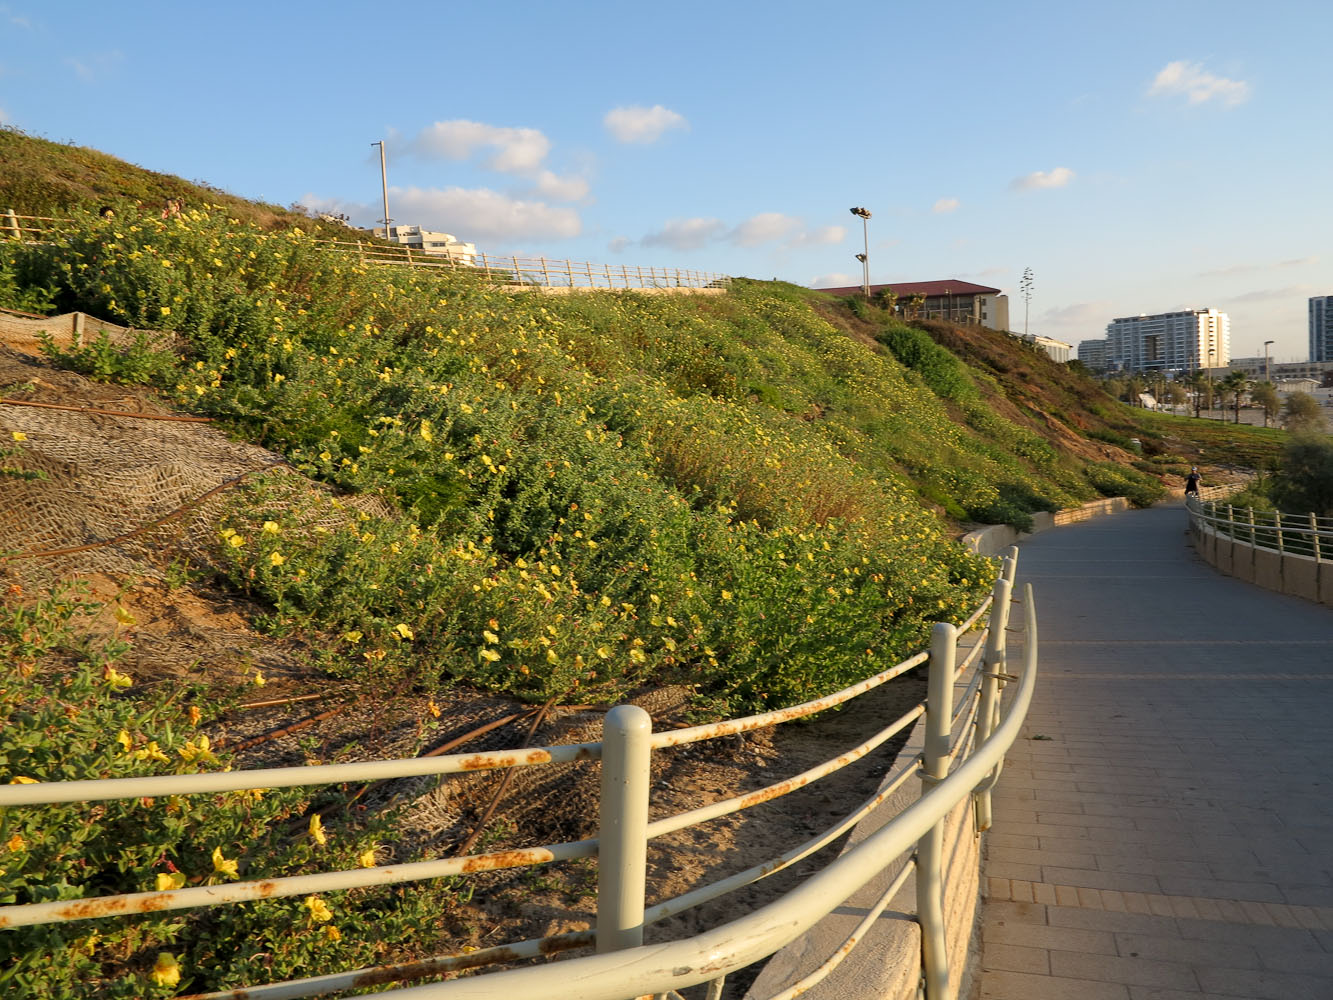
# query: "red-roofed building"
953, 299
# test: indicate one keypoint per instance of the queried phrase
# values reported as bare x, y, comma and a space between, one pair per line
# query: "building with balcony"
429, 241
1092, 354
1321, 328
1169, 342
952, 299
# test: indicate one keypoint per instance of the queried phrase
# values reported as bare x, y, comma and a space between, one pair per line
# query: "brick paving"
1164, 826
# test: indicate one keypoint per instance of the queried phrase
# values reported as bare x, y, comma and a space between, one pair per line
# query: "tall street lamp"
864, 258
384, 185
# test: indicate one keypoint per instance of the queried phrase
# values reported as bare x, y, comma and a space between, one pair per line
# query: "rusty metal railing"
962, 756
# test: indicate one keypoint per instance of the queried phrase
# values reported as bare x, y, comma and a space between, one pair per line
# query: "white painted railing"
512, 271
1300, 534
962, 757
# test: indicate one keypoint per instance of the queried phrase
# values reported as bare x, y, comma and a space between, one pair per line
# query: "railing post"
930, 848
1314, 535
1277, 523
622, 842
993, 664
12, 224
1253, 539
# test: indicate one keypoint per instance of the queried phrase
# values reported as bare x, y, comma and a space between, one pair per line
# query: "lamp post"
864, 215
1268, 375
384, 184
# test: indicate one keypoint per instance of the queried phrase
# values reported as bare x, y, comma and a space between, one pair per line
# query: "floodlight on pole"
384, 184
864, 215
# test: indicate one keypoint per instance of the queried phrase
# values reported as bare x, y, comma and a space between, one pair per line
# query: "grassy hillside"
754, 493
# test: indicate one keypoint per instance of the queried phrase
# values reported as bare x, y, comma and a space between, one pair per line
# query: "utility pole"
864, 214
384, 184
1025, 290
1268, 375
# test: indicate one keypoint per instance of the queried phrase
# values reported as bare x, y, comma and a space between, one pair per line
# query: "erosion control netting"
81, 480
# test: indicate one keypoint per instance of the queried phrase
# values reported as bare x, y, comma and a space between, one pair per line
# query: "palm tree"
1235, 385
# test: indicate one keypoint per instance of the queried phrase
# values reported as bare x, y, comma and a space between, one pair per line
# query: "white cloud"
619, 244
516, 150
478, 214
766, 227
686, 234
834, 280
1198, 85
823, 236
1039, 179
1289, 293
1090, 316
642, 125
945, 205
561, 188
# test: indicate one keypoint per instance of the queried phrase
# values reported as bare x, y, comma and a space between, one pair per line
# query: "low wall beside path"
994, 539
1285, 572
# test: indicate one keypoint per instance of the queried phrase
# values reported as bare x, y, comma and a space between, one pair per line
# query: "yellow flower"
490, 637
166, 971
20, 779
201, 753
317, 830
331, 932
235, 541
194, 715
352, 637
150, 752
603, 652
223, 866
115, 678
489, 655
123, 738
271, 528
19, 436
636, 655
433, 708
166, 310
726, 595
319, 912
170, 881
258, 680
17, 843
403, 631
276, 558
123, 616
366, 859
425, 431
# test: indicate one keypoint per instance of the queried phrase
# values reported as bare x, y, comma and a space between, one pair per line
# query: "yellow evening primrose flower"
235, 541
259, 680
170, 881
331, 932
166, 310
19, 436
16, 843
366, 859
353, 637
271, 528
425, 431
123, 738
166, 970
223, 866
319, 911
489, 655
123, 616
490, 636
194, 715
150, 752
433, 708
636, 655
23, 779
200, 752
317, 833
276, 558
726, 595
115, 678
403, 631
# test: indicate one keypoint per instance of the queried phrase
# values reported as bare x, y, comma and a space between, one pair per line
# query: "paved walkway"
1164, 826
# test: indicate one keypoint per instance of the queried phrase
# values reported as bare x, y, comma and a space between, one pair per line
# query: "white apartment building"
1321, 328
1093, 354
429, 241
1176, 341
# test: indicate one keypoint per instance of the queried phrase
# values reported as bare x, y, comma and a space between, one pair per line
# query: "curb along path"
1164, 826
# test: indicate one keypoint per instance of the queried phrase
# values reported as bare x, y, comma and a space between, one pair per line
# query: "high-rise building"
1093, 354
1176, 341
1321, 328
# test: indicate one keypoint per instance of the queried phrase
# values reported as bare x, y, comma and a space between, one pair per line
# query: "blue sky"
1139, 157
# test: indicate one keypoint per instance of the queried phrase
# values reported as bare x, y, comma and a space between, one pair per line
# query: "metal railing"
513, 271
962, 756
1298, 534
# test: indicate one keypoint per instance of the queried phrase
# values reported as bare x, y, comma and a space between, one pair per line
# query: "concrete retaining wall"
1297, 575
996, 538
